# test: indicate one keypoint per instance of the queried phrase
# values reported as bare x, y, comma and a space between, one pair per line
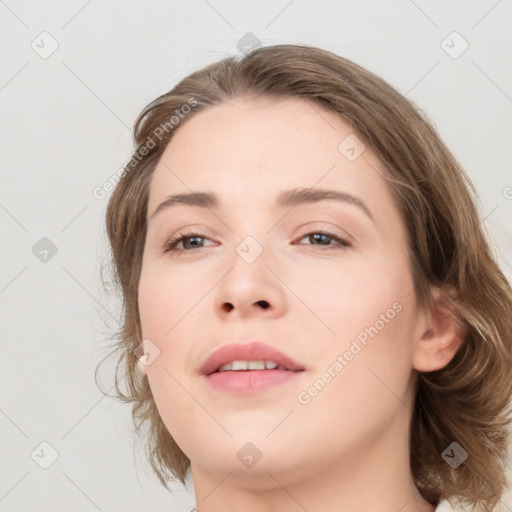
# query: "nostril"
263, 303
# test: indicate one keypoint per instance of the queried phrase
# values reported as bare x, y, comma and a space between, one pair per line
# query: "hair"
467, 401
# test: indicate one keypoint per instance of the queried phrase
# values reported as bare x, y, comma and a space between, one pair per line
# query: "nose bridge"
252, 248
249, 285
250, 230
249, 260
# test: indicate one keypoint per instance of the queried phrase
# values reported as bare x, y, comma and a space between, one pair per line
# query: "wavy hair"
467, 401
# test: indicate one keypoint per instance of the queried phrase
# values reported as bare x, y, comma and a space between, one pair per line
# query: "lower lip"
246, 381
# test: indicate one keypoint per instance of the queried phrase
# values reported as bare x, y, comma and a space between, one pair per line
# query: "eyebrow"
287, 198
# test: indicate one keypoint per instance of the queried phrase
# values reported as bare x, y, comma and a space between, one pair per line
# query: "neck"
374, 476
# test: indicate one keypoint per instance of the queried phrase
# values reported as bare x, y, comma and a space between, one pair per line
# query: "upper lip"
252, 351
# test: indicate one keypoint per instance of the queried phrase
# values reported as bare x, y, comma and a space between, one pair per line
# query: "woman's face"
258, 270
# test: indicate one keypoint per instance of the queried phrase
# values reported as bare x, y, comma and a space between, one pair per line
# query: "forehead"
248, 150
261, 132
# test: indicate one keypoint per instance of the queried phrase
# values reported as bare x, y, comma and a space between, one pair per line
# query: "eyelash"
170, 246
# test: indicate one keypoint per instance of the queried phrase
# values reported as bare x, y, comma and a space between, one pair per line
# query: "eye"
190, 241
326, 236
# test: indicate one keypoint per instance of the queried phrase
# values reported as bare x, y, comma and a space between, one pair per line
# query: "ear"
439, 337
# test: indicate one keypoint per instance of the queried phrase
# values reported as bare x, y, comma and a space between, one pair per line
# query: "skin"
347, 449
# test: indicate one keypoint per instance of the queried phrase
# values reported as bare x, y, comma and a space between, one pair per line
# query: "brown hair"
467, 401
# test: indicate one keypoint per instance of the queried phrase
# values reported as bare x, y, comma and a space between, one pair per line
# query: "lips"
252, 351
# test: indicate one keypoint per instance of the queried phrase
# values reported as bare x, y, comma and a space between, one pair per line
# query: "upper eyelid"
189, 231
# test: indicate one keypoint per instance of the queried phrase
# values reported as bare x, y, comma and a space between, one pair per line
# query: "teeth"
239, 365
250, 365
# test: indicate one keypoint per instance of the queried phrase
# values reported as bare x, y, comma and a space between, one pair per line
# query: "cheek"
170, 309
367, 315
362, 385
161, 306
174, 404
164, 299
349, 296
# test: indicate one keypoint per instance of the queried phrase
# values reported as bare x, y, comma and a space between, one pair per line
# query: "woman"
315, 313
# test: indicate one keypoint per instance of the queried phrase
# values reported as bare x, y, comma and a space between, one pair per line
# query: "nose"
250, 289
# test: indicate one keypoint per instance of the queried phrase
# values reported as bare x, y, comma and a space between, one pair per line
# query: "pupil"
191, 238
320, 235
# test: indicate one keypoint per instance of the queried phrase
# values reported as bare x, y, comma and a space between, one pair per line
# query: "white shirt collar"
444, 506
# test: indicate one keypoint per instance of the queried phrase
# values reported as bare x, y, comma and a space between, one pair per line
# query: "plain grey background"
73, 77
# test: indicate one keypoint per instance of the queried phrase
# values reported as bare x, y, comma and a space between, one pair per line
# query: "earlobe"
441, 338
